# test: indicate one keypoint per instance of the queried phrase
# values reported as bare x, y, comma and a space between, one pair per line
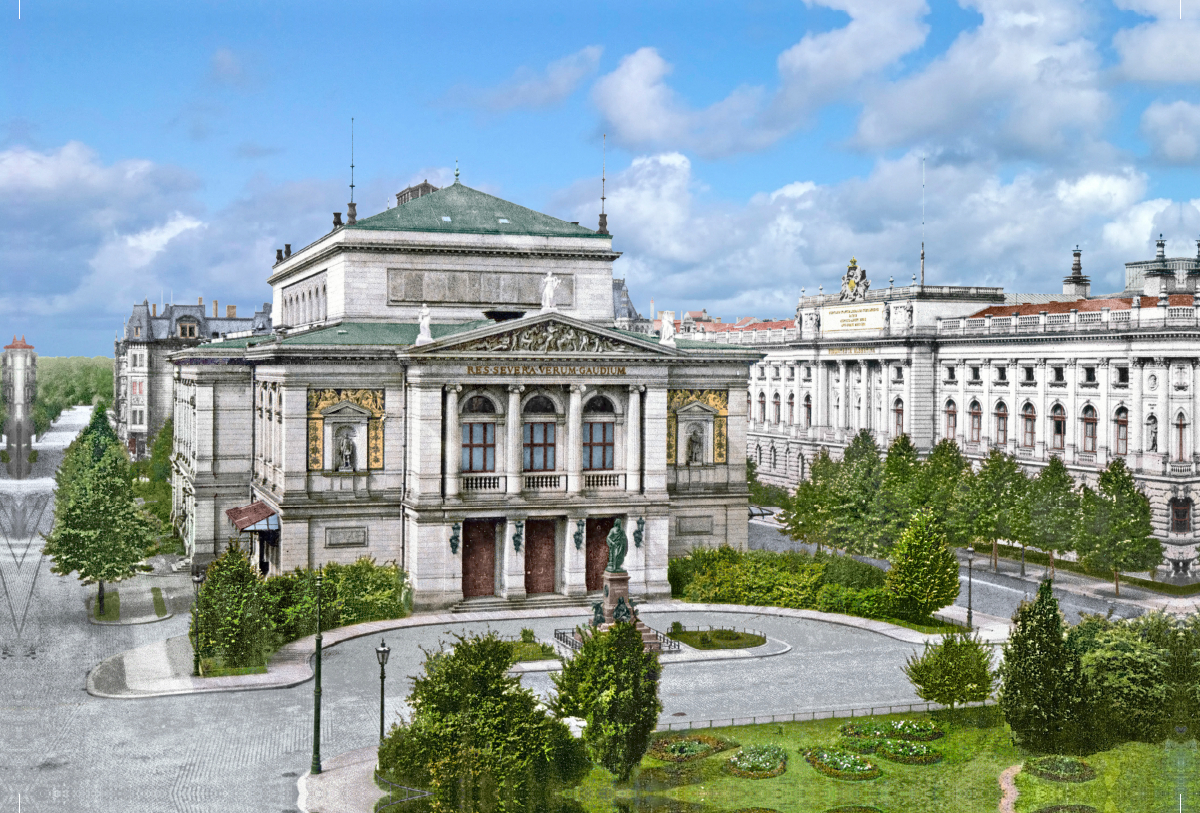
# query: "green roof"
373, 333
459, 209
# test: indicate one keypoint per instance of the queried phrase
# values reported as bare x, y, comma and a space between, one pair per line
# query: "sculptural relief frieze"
547, 337
718, 401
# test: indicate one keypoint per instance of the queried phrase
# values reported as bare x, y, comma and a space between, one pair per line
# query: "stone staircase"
483, 604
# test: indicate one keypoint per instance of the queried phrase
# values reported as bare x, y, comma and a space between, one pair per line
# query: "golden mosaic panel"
370, 400
717, 400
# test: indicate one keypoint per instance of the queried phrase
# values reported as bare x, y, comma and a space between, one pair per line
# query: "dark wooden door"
597, 551
539, 556
479, 557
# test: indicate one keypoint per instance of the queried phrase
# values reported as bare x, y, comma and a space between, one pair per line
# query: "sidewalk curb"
141, 620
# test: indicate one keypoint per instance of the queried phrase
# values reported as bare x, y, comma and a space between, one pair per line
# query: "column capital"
1041, 363
516, 388
455, 388
1104, 362
1159, 361
579, 388
637, 387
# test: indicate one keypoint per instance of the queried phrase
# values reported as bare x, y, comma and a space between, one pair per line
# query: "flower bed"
909, 753
914, 730
1060, 769
757, 762
686, 747
841, 764
861, 745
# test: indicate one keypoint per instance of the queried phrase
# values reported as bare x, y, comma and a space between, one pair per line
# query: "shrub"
924, 573
849, 572
685, 747
676, 627
527, 636
1060, 769
1130, 679
725, 635
861, 745
705, 638
836, 598
909, 753
957, 669
625, 708
757, 582
758, 762
369, 592
841, 764
233, 622
874, 602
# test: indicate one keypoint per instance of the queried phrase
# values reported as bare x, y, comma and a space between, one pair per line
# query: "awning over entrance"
257, 516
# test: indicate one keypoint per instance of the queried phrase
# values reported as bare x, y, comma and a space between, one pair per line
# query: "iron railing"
801, 716
407, 794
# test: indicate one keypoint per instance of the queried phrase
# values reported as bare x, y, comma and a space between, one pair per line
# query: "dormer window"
187, 330
137, 332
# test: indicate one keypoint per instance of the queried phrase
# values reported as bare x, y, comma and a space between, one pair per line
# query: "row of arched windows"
777, 409
1088, 419
305, 307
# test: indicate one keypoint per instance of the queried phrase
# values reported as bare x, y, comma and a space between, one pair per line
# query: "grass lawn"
717, 639
160, 606
1013, 553
112, 606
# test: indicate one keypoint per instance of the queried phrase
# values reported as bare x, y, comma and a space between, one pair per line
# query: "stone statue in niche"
618, 545
695, 447
1152, 432
347, 453
549, 287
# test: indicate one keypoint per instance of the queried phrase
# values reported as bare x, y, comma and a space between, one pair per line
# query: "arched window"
791, 409
599, 434
758, 455
1058, 427
1001, 423
898, 413
1089, 429
538, 434
775, 408
1181, 516
807, 411
951, 420
1122, 439
1180, 426
774, 457
1029, 421
479, 405
762, 407
976, 422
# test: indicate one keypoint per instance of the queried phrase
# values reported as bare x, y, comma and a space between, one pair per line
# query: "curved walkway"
164, 667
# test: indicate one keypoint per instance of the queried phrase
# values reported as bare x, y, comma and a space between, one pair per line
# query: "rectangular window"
1001, 429
950, 373
538, 439
1001, 373
1028, 373
974, 373
976, 426
1122, 436
1060, 431
598, 445
1089, 435
1058, 374
479, 447
1122, 375
1089, 374
1181, 517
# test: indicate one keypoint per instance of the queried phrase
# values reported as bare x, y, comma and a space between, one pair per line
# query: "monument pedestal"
616, 587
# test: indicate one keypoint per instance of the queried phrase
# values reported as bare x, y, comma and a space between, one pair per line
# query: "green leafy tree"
923, 577
854, 487
810, 515
893, 503
477, 739
1113, 530
1043, 690
1053, 509
99, 533
233, 622
993, 502
935, 484
1132, 688
956, 670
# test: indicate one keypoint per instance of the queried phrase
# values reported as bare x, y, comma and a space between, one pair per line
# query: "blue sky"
753, 148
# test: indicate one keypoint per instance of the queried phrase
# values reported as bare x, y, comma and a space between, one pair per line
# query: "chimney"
214, 309
603, 224
351, 212
278, 255
1077, 284
287, 250
1077, 266
1161, 254
337, 220
154, 309
200, 301
231, 311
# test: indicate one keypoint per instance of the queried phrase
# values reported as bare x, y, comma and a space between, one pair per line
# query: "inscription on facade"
345, 537
543, 369
851, 351
841, 318
702, 525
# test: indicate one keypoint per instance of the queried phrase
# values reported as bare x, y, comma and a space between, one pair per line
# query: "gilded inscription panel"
370, 400
718, 400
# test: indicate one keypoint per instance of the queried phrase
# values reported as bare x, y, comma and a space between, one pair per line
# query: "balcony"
545, 482
482, 483
1178, 468
595, 482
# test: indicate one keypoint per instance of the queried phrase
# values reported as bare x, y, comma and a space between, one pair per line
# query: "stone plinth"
616, 587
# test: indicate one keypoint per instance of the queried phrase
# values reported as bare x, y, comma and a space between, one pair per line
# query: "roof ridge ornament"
456, 170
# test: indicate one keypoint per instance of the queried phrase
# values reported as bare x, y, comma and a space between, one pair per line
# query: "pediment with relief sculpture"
551, 335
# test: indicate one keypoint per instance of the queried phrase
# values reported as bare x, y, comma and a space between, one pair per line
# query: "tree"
1113, 530
1131, 683
924, 572
993, 502
99, 533
854, 488
1053, 508
612, 682
233, 621
935, 484
893, 502
958, 669
1043, 691
810, 516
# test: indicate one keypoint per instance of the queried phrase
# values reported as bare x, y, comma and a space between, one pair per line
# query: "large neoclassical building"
445, 387
1088, 379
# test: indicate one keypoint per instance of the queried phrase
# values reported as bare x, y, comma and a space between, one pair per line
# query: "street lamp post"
197, 581
381, 654
970, 561
316, 759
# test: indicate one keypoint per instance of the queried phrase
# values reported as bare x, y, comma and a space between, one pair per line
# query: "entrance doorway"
597, 551
479, 557
539, 556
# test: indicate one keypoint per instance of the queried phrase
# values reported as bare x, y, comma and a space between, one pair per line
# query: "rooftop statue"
549, 287
855, 283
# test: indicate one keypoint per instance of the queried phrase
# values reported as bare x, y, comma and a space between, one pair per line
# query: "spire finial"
603, 167
456, 170
352, 159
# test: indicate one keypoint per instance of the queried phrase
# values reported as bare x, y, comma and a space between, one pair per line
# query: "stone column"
633, 440
1195, 386
513, 448
1105, 427
908, 405
1043, 426
575, 440
840, 417
964, 413
512, 570
654, 418
574, 560
1070, 447
864, 395
987, 419
822, 396
1137, 413
452, 446
1166, 429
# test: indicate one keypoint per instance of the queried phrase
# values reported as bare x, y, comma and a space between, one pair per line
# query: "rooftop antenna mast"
352, 159
922, 221
603, 167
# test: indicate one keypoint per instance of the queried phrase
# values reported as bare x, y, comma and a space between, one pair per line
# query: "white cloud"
684, 248
1173, 131
1025, 82
642, 110
531, 90
1163, 50
226, 68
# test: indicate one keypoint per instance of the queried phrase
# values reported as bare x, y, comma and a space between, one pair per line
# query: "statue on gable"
549, 288
424, 336
855, 283
667, 333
